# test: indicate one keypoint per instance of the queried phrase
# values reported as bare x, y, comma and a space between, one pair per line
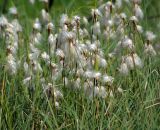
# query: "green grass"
132, 110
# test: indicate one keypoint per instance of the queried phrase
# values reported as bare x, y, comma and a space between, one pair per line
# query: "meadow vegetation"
85, 65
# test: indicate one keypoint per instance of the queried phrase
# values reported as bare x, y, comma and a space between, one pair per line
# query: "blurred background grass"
28, 11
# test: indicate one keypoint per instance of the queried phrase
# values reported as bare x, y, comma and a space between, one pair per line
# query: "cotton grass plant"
99, 71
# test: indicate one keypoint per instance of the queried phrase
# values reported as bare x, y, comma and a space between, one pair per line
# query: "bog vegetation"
92, 69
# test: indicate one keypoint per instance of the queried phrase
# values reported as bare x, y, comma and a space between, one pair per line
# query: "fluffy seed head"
13, 11
37, 25
149, 50
138, 12
124, 69
150, 36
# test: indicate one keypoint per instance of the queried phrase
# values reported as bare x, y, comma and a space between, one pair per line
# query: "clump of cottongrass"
60, 55
45, 18
50, 27
13, 11
102, 92
150, 36
133, 61
95, 14
149, 50
11, 65
123, 69
134, 19
37, 25
53, 93
85, 21
32, 1
127, 43
75, 55
3, 21
27, 80
11, 40
67, 42
138, 11
64, 20
17, 26
120, 90
139, 29
96, 29
106, 79
130, 62
45, 57
102, 63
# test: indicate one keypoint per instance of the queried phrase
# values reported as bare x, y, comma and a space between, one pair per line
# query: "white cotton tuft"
124, 69
149, 50
150, 36
138, 12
